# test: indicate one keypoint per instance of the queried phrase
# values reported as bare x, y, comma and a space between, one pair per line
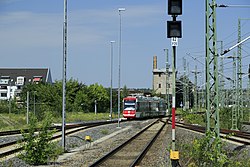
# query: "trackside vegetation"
204, 151
38, 149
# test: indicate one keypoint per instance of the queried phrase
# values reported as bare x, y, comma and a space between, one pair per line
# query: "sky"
31, 33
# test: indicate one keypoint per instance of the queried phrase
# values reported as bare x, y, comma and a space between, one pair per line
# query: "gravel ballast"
106, 138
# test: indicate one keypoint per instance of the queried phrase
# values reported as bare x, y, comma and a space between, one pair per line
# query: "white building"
12, 80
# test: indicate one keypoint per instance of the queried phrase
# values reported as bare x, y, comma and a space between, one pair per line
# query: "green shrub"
37, 147
209, 151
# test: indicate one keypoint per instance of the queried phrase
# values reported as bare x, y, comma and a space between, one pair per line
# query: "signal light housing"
174, 7
174, 29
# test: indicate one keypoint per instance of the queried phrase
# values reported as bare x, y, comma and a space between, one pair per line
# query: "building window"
20, 81
3, 94
3, 87
159, 74
4, 81
159, 85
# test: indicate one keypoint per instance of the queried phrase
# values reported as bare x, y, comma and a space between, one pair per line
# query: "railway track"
229, 135
10, 148
131, 152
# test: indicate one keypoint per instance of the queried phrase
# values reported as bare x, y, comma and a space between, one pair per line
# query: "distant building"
12, 80
160, 80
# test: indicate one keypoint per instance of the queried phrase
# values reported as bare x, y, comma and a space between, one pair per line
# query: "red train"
143, 107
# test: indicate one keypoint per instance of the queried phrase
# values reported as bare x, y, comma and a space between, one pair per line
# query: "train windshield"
129, 104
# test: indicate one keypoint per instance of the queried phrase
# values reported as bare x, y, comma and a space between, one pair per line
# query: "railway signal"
174, 27
174, 31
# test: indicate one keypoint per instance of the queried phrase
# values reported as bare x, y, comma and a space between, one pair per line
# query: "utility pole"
27, 114
212, 88
195, 89
239, 72
188, 90
239, 76
184, 85
234, 108
221, 90
167, 81
248, 90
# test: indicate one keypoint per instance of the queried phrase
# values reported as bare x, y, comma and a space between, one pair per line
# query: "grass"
12, 121
18, 121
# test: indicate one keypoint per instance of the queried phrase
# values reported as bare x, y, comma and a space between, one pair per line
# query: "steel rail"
147, 147
118, 148
240, 135
85, 126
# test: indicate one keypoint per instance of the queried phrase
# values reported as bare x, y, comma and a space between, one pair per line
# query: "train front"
129, 107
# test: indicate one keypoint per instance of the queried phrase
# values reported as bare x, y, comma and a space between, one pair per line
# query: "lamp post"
111, 77
64, 72
119, 68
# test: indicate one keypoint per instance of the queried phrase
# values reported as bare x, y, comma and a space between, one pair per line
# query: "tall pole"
167, 81
187, 82
184, 85
27, 114
173, 92
212, 89
248, 90
174, 9
222, 93
34, 106
111, 78
10, 96
235, 115
119, 68
64, 72
239, 73
239, 76
195, 89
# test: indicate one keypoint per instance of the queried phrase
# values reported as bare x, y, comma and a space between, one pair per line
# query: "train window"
129, 103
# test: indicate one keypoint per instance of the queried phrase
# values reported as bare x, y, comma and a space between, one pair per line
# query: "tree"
99, 93
82, 103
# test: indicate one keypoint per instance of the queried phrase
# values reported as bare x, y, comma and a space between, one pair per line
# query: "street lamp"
64, 73
111, 77
119, 68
